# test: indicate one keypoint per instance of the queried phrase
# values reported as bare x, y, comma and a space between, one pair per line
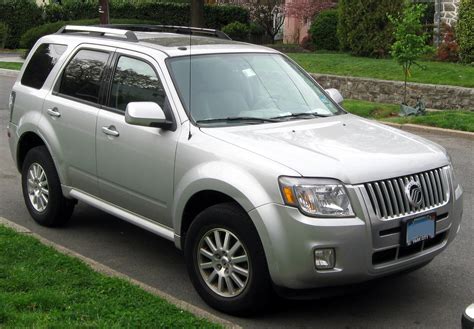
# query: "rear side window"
41, 64
83, 75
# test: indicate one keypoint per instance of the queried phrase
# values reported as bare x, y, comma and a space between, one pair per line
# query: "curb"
9, 73
419, 128
98, 267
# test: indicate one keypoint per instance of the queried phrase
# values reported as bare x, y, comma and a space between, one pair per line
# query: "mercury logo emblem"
414, 194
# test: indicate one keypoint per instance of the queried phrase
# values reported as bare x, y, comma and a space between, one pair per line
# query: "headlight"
316, 197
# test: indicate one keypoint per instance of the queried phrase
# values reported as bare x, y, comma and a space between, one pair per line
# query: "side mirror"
147, 114
335, 95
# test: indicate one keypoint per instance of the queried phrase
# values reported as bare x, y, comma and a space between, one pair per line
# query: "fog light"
324, 259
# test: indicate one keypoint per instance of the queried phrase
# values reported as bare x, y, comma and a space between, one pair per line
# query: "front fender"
221, 177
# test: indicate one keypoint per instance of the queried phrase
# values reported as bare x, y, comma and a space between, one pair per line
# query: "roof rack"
169, 28
99, 31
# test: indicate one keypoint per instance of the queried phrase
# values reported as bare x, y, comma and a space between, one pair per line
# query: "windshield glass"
247, 88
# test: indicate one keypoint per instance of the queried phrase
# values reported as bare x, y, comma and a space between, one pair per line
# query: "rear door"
135, 164
72, 109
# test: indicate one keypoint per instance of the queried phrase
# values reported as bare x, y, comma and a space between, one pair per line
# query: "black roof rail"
102, 31
169, 28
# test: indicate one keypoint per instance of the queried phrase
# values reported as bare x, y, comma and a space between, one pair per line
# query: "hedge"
364, 28
237, 31
323, 30
215, 16
465, 31
19, 16
32, 35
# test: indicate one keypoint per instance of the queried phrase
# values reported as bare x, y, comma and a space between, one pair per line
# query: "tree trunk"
104, 16
197, 13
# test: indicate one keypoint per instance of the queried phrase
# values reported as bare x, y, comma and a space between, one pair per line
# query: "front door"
135, 164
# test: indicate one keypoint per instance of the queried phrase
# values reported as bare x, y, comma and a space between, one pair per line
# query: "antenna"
189, 94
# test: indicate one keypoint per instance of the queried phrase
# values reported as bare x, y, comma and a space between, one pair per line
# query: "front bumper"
289, 239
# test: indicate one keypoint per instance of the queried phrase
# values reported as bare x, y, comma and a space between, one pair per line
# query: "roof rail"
170, 28
99, 31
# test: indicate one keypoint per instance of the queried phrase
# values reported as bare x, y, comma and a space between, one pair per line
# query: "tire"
228, 220
42, 189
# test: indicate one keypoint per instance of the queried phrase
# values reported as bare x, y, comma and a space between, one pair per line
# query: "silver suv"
233, 152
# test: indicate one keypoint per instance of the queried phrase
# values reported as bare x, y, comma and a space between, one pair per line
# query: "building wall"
449, 11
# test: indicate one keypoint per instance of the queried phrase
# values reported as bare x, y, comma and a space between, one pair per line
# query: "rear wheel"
226, 261
42, 189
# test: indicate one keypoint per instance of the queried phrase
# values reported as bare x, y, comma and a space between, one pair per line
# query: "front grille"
389, 200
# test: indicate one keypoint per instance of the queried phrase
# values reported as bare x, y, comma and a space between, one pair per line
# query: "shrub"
32, 35
167, 13
237, 31
364, 28
307, 44
19, 15
465, 31
448, 50
323, 30
3, 34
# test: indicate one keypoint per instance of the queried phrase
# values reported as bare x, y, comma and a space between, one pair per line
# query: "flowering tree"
305, 10
268, 14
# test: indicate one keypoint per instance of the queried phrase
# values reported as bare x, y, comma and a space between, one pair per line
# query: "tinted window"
41, 64
83, 75
135, 81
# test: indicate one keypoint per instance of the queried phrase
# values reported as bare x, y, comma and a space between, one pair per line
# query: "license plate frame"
418, 229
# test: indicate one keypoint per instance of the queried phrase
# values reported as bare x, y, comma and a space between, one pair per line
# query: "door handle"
110, 131
54, 112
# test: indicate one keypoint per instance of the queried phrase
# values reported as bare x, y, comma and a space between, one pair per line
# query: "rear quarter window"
41, 64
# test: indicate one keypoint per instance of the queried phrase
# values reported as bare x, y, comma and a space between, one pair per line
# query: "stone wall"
384, 91
449, 11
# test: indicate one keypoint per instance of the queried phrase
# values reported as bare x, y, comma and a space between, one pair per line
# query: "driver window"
135, 81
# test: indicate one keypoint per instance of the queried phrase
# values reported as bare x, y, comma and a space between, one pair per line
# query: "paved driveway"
432, 297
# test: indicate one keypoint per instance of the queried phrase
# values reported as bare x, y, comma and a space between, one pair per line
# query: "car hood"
345, 147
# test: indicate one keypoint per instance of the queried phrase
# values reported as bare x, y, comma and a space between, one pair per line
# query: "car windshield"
247, 88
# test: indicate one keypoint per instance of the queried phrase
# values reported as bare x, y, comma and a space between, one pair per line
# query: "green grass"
457, 120
41, 288
387, 69
10, 65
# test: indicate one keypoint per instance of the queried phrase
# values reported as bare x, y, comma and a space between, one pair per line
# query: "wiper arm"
302, 114
258, 120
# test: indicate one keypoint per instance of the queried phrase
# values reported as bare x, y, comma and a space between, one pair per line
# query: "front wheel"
226, 261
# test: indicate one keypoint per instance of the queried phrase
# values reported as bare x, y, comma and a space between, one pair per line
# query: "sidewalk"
11, 57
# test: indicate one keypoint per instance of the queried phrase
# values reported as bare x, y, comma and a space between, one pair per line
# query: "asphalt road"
433, 297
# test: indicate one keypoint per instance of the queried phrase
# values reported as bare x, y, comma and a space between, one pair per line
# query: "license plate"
419, 229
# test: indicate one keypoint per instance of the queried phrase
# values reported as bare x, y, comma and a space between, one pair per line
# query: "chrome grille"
389, 200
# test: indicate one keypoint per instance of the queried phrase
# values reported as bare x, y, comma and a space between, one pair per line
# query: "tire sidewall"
41, 156
235, 220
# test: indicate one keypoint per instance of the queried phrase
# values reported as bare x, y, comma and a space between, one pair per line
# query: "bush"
307, 44
323, 30
448, 50
32, 35
19, 16
364, 28
215, 16
3, 34
237, 31
465, 31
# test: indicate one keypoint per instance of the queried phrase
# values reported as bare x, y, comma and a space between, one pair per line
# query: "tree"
104, 11
268, 14
197, 13
410, 40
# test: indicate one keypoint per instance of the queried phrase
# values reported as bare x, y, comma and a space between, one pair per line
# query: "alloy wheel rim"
223, 262
38, 188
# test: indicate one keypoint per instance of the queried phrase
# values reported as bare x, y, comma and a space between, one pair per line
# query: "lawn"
10, 65
458, 120
41, 288
387, 69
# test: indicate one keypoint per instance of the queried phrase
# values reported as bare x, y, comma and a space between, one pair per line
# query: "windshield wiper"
229, 119
302, 114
